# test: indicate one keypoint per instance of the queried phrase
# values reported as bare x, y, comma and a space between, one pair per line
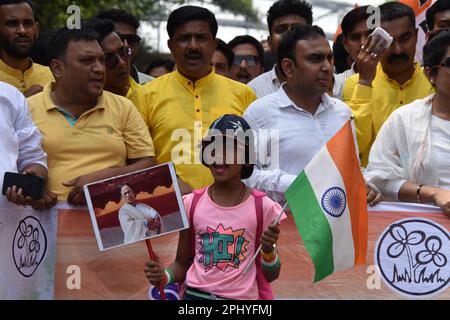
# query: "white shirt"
134, 221
301, 135
406, 149
440, 135
339, 81
21, 141
265, 83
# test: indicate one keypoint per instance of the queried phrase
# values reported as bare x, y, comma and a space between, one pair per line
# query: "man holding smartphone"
388, 77
21, 149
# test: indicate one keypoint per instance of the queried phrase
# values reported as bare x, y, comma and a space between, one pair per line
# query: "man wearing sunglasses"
117, 58
248, 58
126, 26
89, 134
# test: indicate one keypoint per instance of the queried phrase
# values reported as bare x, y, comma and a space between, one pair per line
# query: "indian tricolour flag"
328, 202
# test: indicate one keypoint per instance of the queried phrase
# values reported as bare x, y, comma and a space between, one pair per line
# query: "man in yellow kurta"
179, 107
18, 33
380, 88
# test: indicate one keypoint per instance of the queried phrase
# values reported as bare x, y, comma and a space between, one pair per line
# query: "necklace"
238, 200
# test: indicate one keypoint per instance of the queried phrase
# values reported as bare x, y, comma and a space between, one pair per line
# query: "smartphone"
32, 186
384, 36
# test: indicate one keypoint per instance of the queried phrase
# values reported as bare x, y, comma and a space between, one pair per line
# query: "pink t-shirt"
224, 244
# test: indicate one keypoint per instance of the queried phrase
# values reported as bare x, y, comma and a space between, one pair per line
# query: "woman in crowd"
410, 159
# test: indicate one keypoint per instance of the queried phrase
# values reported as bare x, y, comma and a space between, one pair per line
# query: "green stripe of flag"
312, 225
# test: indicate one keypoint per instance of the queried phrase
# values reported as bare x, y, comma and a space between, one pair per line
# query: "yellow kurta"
36, 74
172, 106
371, 106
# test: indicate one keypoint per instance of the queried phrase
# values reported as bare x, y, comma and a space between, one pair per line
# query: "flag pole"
152, 255
260, 246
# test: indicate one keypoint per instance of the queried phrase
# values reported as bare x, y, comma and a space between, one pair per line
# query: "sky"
329, 21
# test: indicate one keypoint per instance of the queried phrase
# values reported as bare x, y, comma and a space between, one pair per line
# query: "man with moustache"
301, 111
18, 33
381, 88
179, 107
88, 134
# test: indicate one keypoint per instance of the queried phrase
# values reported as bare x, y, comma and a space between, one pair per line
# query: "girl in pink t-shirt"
225, 221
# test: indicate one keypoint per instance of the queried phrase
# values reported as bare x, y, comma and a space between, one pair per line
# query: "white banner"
27, 252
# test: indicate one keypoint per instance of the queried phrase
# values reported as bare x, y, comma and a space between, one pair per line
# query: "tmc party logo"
413, 256
29, 246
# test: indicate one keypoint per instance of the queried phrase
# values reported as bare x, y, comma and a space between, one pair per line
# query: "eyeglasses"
132, 39
445, 64
249, 59
112, 58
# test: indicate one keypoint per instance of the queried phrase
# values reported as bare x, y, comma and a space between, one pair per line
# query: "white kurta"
407, 148
20, 139
133, 221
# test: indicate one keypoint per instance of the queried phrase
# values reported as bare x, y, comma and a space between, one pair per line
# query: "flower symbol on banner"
403, 240
433, 245
29, 246
413, 257
25, 232
34, 245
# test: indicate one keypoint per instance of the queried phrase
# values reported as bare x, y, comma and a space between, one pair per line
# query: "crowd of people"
91, 115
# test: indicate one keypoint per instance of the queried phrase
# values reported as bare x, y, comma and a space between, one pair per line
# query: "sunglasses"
132, 39
445, 64
112, 58
249, 59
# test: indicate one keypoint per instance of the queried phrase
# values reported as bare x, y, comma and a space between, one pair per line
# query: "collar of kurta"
133, 83
133, 86
417, 72
15, 72
49, 104
285, 102
190, 85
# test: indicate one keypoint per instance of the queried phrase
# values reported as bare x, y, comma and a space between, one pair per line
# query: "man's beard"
15, 52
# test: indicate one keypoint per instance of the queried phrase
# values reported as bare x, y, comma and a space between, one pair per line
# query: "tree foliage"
52, 13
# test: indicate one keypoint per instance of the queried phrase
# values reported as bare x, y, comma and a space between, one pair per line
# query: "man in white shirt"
301, 111
20, 150
138, 221
282, 15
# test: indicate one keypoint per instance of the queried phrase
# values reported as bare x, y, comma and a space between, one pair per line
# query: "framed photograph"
136, 206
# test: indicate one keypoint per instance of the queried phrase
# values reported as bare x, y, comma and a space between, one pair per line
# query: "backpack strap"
197, 195
264, 288
258, 195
